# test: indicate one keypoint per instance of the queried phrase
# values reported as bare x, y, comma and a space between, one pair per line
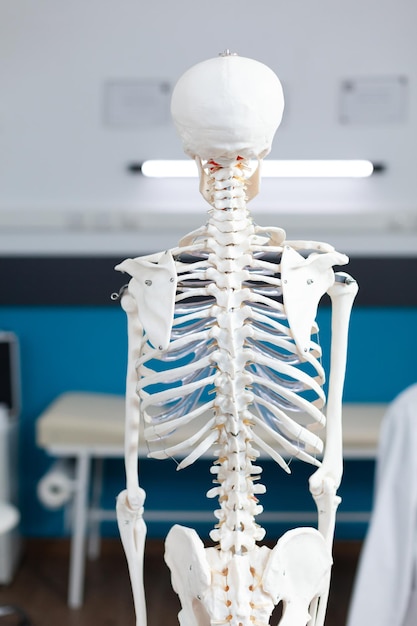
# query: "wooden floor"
40, 586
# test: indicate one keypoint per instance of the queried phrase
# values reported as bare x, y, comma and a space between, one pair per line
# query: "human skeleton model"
231, 311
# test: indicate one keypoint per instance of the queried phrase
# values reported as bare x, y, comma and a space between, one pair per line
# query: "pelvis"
242, 590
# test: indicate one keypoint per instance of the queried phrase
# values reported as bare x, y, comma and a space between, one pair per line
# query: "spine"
230, 230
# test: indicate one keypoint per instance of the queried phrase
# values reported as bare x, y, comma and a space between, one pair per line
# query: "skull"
226, 107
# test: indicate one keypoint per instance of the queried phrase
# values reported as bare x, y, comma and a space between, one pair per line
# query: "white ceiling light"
359, 168
169, 169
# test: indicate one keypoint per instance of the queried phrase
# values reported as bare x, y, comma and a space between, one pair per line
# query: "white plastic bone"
218, 589
233, 313
132, 530
304, 282
235, 108
155, 281
297, 573
326, 480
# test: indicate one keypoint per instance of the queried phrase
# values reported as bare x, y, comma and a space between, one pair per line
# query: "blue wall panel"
84, 348
62, 349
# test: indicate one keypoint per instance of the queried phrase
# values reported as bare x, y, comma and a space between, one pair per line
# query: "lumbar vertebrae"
231, 311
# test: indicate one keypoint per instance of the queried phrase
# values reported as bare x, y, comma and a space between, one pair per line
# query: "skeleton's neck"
227, 193
230, 230
230, 225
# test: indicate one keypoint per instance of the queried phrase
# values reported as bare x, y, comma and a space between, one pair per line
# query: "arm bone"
326, 480
130, 501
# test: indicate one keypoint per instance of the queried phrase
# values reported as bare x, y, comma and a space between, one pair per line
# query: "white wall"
62, 167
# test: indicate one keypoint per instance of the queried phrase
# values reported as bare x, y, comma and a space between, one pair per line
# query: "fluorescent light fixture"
169, 169
359, 168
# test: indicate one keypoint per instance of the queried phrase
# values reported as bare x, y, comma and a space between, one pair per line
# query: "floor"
40, 586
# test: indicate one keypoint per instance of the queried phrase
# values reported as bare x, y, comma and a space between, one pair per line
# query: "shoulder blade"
153, 286
304, 282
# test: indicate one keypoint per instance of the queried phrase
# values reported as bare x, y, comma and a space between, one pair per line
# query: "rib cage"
232, 372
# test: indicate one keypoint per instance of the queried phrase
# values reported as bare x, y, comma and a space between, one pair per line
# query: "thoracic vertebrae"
232, 372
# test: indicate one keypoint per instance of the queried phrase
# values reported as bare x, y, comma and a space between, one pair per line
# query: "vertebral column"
230, 233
